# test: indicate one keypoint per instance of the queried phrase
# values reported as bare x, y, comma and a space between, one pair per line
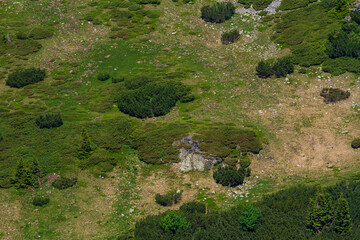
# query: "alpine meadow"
180, 119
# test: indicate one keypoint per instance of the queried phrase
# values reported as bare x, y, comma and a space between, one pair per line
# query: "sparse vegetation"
168, 199
64, 182
331, 95
40, 200
230, 37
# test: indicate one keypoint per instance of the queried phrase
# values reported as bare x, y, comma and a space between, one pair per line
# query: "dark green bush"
249, 218
64, 182
103, 76
218, 12
152, 99
355, 16
309, 54
168, 199
1, 137
355, 143
193, 207
257, 4
40, 200
283, 67
229, 176
294, 4
120, 14
156, 2
25, 77
334, 94
264, 69
230, 37
174, 221
49, 120
341, 65
343, 44
118, 79
35, 33
245, 161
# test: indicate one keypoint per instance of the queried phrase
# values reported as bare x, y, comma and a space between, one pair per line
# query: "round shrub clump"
355, 143
40, 200
334, 94
64, 182
103, 76
229, 176
49, 120
23, 77
218, 12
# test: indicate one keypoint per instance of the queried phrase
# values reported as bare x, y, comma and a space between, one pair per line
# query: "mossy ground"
305, 140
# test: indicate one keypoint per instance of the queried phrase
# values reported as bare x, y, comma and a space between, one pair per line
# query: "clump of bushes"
341, 65
64, 182
334, 94
218, 12
118, 79
49, 120
281, 68
40, 200
168, 199
230, 37
257, 4
343, 44
174, 221
103, 76
249, 218
229, 176
355, 143
223, 139
193, 207
23, 77
151, 98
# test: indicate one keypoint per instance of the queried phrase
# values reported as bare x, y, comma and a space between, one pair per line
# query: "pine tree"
23, 176
320, 213
84, 150
342, 216
34, 169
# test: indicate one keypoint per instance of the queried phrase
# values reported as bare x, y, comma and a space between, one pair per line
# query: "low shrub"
64, 182
25, 47
264, 69
334, 94
169, 198
218, 12
355, 16
245, 161
229, 176
174, 221
257, 4
249, 218
155, 2
294, 4
355, 143
40, 200
103, 76
283, 67
309, 54
23, 77
151, 99
49, 120
118, 79
193, 207
230, 37
35, 33
341, 65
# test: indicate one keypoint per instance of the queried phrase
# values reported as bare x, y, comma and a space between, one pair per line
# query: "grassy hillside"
163, 58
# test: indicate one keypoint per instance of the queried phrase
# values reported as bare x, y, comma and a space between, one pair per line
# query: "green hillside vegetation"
108, 109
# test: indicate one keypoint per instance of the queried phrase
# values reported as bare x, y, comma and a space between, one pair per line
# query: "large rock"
193, 160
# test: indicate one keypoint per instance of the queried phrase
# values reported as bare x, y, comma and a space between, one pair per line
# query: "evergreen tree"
24, 176
84, 150
320, 213
342, 216
34, 169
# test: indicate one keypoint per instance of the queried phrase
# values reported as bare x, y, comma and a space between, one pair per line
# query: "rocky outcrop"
192, 159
